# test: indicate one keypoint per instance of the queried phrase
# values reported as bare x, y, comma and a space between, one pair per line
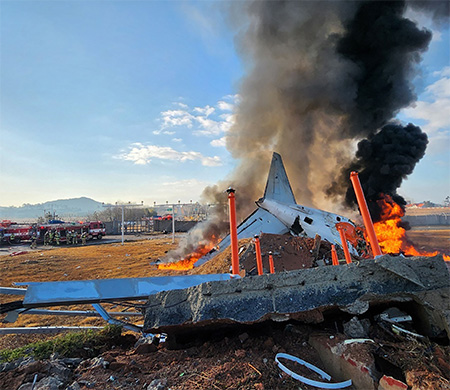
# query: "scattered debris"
357, 328
18, 253
308, 381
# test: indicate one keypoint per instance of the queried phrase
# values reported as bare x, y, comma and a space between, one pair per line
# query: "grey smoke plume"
321, 76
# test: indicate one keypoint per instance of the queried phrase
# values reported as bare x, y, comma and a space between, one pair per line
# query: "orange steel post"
348, 258
272, 268
258, 256
365, 214
233, 232
334, 257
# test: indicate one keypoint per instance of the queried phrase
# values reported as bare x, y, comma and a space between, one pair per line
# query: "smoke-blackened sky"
321, 76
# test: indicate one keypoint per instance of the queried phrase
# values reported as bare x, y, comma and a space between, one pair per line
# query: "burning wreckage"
309, 289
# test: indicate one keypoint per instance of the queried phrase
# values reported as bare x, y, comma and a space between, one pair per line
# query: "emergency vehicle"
95, 229
13, 233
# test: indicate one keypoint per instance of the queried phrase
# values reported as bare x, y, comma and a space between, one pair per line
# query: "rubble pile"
307, 294
289, 253
244, 358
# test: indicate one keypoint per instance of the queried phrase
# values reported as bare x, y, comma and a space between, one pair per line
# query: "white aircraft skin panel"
312, 221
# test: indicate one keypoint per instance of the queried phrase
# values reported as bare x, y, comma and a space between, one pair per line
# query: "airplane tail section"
278, 187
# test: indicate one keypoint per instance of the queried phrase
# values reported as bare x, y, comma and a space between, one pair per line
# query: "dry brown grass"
104, 261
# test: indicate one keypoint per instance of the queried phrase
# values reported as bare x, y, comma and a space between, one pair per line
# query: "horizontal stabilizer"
278, 187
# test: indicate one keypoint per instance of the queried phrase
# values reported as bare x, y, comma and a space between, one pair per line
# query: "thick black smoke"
385, 48
383, 160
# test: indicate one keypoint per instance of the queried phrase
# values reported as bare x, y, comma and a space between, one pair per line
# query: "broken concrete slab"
296, 293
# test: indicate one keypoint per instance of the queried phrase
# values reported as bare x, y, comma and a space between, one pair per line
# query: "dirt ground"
241, 358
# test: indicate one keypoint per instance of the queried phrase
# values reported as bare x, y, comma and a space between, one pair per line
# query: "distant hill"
64, 208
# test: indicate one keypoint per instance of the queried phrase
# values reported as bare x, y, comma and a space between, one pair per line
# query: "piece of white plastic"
323, 374
351, 341
407, 332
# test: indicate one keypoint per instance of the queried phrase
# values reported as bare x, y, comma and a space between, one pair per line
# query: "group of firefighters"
53, 237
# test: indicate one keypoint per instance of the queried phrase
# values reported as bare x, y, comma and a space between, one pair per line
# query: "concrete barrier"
428, 220
305, 294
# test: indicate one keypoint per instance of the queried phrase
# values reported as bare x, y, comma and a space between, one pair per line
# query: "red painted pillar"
258, 256
272, 268
348, 258
365, 214
334, 257
233, 232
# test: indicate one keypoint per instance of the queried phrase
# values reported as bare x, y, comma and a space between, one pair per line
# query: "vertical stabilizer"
278, 187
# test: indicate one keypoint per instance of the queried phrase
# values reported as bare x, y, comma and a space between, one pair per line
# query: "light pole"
173, 217
123, 213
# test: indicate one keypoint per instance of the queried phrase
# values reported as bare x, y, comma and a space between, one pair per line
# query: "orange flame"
188, 262
391, 235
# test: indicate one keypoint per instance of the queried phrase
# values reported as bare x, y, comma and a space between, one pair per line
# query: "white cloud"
176, 118
225, 106
435, 109
206, 111
177, 139
143, 154
214, 127
205, 119
219, 143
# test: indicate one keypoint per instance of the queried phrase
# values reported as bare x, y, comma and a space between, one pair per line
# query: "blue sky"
131, 101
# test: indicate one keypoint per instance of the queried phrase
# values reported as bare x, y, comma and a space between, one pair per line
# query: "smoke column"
383, 161
320, 76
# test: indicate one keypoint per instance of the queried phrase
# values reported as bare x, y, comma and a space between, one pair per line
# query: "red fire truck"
95, 229
13, 233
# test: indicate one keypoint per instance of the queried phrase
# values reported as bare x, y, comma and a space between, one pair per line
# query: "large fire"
189, 261
391, 235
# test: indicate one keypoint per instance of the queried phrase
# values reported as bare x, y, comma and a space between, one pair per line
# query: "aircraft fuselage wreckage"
279, 213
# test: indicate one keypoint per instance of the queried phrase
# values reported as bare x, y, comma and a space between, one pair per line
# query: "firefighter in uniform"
50, 237
74, 237
83, 238
12, 238
68, 237
33, 241
46, 238
57, 237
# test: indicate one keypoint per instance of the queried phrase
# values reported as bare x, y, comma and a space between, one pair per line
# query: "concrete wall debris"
296, 293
